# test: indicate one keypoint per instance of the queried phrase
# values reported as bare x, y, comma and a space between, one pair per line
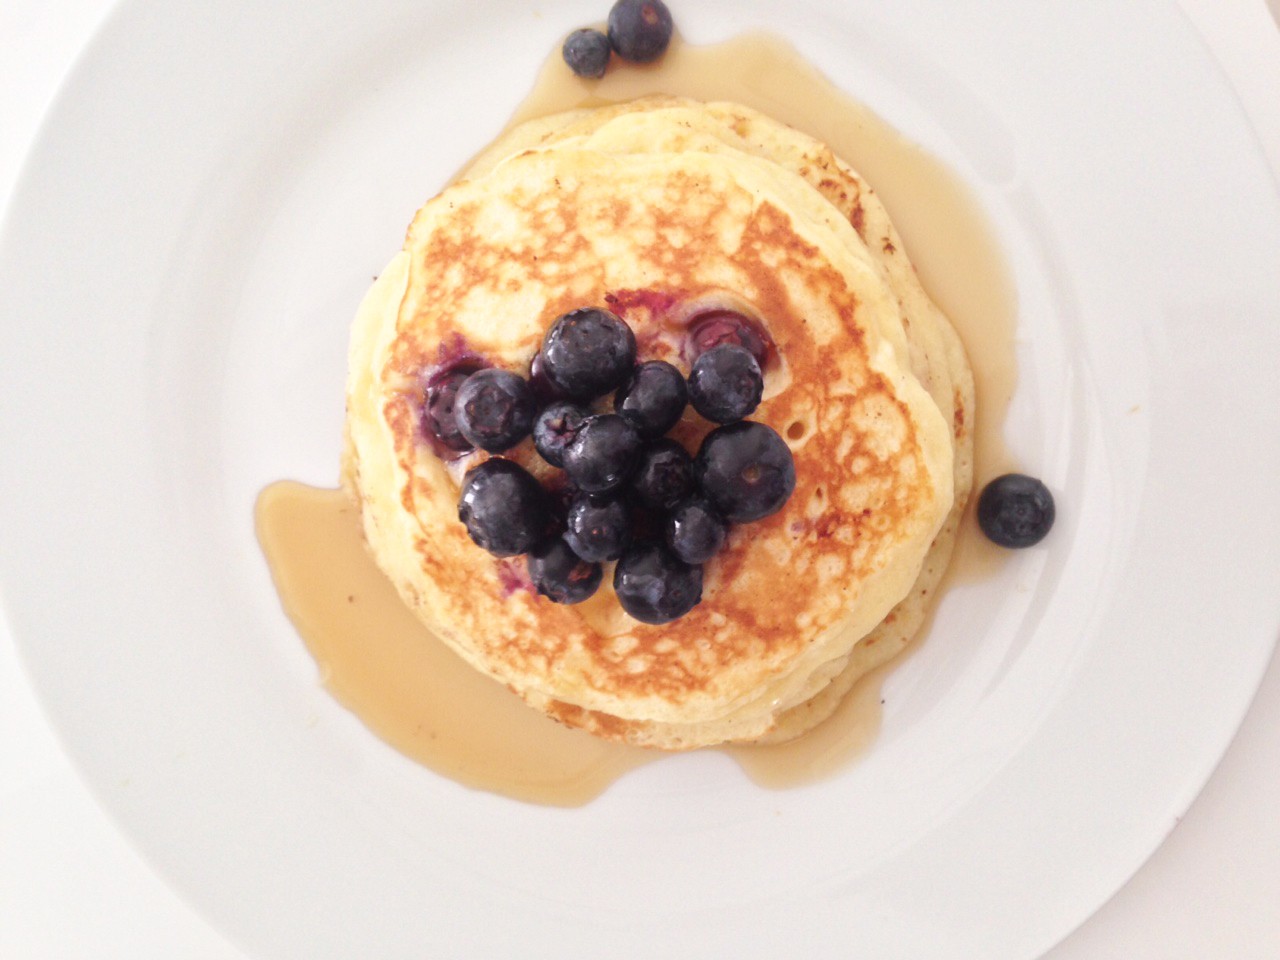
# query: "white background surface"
71, 888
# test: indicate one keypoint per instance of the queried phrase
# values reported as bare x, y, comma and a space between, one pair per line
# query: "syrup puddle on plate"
412, 691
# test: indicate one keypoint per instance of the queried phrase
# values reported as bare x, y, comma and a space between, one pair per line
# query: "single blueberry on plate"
725, 384
746, 470
640, 29
603, 453
587, 51
656, 586
560, 575
695, 532
494, 409
598, 527
588, 352
555, 429
504, 508
653, 397
664, 475
1015, 510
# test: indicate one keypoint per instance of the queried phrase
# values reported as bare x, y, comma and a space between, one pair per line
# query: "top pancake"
656, 212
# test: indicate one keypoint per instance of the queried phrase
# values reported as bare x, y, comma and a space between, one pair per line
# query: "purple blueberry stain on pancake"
513, 578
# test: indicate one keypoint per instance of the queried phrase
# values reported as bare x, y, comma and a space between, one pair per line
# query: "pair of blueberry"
638, 31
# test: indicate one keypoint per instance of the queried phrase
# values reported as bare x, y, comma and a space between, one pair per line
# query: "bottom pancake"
799, 694
937, 359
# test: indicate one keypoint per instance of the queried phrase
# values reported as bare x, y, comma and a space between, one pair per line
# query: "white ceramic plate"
209, 199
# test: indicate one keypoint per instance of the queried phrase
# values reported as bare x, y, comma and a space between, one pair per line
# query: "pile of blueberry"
638, 31
632, 494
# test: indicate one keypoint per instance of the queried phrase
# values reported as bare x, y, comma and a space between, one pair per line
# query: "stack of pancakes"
665, 210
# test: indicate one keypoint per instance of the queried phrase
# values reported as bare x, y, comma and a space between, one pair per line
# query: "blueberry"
640, 29
555, 429
439, 417
503, 508
598, 528
586, 51
725, 384
1015, 510
646, 524
544, 391
560, 493
653, 397
656, 586
588, 352
664, 475
745, 470
560, 575
494, 409
603, 453
715, 327
695, 532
